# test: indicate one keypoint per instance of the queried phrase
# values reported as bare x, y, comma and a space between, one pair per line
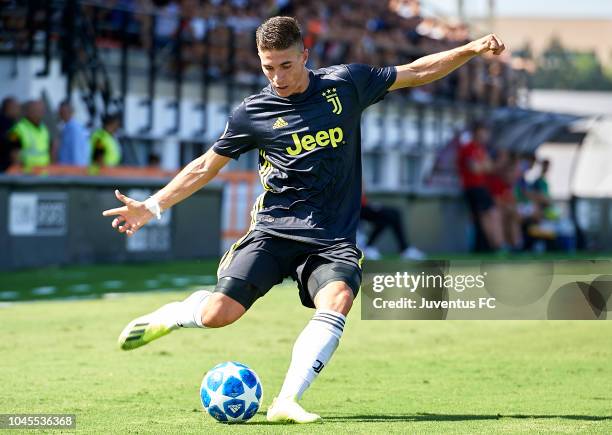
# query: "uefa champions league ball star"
231, 392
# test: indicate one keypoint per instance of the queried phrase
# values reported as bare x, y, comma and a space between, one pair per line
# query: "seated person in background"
103, 139
537, 234
552, 219
528, 208
382, 217
541, 193
31, 137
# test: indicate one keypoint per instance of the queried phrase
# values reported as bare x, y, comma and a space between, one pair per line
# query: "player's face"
286, 70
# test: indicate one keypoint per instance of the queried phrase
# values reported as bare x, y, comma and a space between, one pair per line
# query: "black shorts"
264, 260
479, 199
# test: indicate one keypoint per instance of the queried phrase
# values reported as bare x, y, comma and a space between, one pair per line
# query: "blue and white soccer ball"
231, 392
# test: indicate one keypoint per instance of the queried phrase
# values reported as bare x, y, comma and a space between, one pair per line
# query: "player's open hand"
488, 44
131, 217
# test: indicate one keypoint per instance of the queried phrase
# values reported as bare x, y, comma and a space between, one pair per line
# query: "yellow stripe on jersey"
265, 170
228, 256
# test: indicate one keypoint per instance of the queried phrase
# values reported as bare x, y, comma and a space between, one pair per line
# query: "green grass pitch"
386, 377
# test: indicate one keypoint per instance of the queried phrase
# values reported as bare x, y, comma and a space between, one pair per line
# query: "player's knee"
221, 311
335, 296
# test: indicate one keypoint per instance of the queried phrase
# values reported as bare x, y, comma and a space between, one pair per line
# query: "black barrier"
58, 220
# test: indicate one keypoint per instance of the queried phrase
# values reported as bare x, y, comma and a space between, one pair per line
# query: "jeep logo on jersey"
322, 138
332, 97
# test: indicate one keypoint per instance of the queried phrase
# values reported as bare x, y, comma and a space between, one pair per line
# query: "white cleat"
289, 411
412, 253
149, 327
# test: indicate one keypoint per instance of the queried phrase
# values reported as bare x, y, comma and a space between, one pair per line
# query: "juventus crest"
332, 97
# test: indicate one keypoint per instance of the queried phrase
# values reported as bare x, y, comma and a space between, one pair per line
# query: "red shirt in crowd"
498, 187
468, 153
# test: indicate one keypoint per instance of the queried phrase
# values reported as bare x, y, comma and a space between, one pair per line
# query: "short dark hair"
279, 33
477, 125
66, 103
6, 101
109, 118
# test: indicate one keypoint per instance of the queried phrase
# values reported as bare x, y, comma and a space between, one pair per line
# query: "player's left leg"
246, 275
202, 309
332, 287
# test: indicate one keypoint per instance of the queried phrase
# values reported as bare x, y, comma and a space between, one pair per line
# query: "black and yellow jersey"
309, 152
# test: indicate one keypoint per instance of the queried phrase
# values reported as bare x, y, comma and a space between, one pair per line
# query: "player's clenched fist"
131, 217
490, 43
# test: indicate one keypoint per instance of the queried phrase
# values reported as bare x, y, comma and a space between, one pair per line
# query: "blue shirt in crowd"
74, 144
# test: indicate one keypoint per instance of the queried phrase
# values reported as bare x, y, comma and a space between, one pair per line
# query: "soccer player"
306, 126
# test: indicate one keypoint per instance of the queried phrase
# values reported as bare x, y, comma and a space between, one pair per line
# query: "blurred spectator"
541, 193
74, 147
528, 204
563, 227
97, 161
31, 137
406, 8
194, 27
153, 160
167, 23
9, 114
494, 83
383, 217
104, 146
536, 235
374, 32
474, 166
501, 185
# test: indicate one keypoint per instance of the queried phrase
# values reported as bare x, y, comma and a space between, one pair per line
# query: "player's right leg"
328, 280
201, 309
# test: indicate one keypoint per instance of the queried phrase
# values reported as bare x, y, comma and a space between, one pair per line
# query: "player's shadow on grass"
454, 417
424, 416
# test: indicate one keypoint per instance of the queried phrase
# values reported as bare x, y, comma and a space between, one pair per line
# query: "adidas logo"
234, 408
280, 123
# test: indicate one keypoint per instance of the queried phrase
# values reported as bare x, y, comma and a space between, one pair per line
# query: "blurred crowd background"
370, 32
124, 67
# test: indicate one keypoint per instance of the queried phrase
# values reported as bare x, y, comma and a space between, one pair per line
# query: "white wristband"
153, 206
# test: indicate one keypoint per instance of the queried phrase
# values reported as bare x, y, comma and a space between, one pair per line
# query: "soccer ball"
231, 392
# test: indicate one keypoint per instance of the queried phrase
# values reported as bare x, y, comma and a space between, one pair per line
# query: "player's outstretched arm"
435, 66
134, 214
